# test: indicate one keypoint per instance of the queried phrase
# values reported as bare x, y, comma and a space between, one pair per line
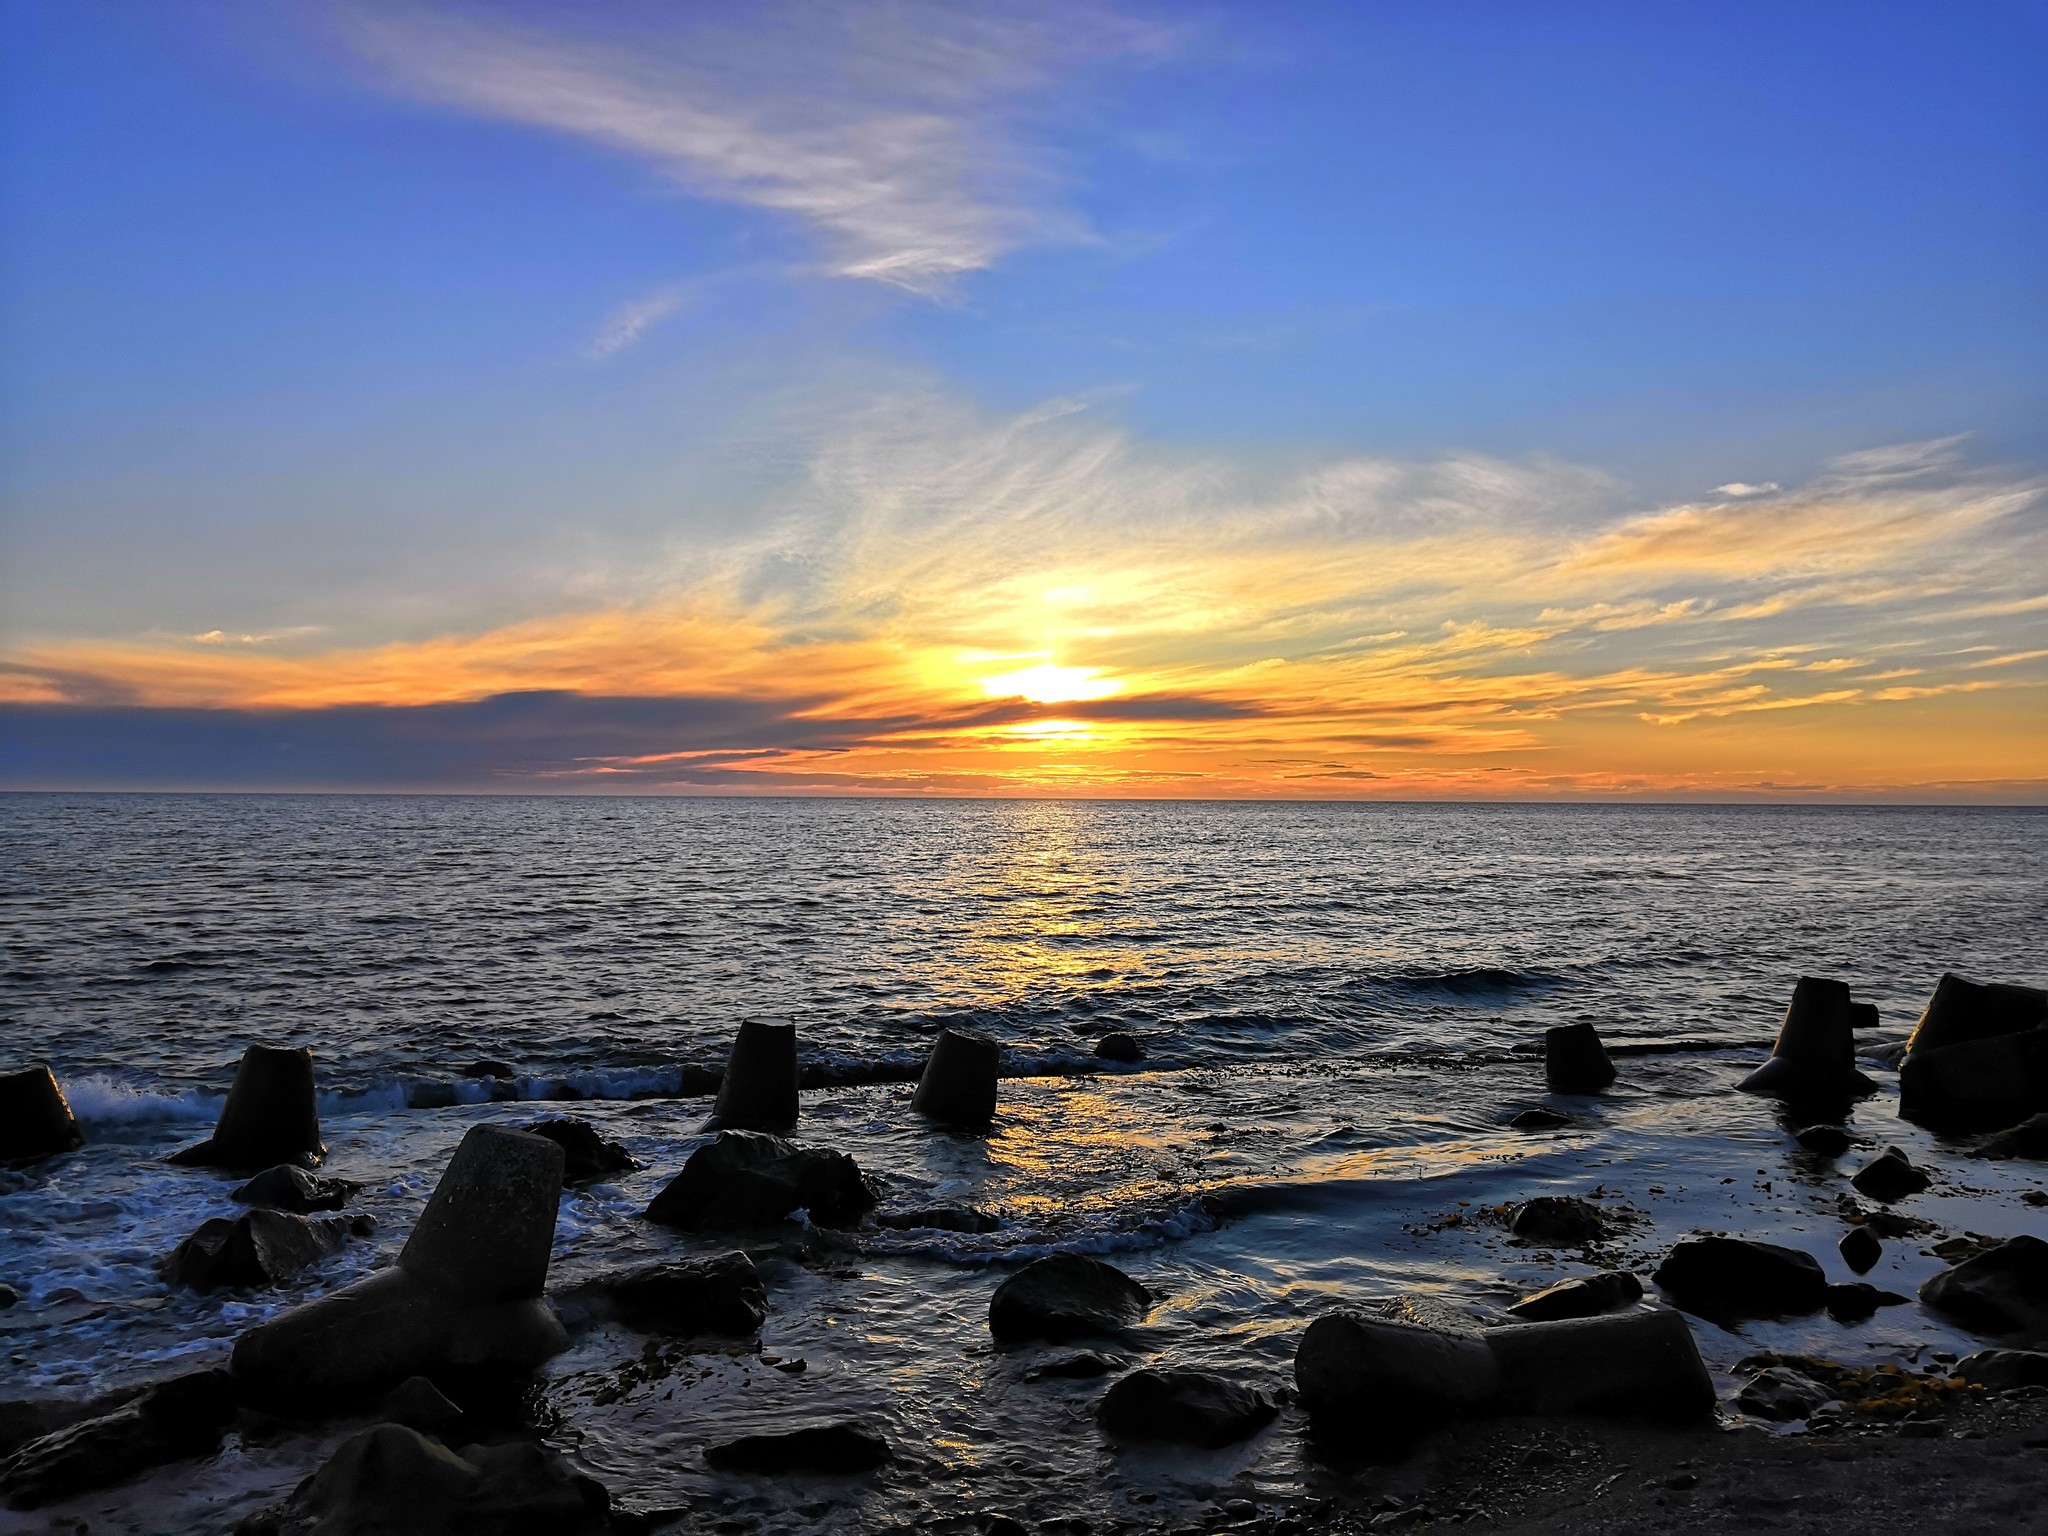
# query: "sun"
1048, 684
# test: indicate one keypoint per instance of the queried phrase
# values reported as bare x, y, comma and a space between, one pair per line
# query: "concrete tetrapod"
759, 1089
271, 1115
1815, 1053
1978, 1058
465, 1292
35, 1117
1574, 1060
959, 1082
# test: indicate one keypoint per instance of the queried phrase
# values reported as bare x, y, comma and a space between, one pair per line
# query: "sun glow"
1048, 684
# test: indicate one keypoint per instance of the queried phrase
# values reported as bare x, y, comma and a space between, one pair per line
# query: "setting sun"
1049, 684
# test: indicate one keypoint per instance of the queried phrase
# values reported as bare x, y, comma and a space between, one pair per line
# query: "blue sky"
357, 324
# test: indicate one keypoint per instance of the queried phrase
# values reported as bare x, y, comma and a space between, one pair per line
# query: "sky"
1348, 401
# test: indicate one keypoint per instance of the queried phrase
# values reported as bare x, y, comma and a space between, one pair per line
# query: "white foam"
98, 1099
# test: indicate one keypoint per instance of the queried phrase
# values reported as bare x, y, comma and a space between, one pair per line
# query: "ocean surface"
1338, 1005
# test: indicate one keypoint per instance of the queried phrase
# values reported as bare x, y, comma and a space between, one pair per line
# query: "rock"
290, 1188
2004, 1291
430, 1096
1860, 1249
1587, 1296
485, 1067
1186, 1407
958, 1087
586, 1155
390, 1480
263, 1248
1815, 1055
748, 1179
1724, 1278
2028, 1139
1859, 1300
720, 1295
758, 1091
1539, 1120
943, 1218
172, 1421
1863, 1016
1574, 1060
1082, 1367
418, 1404
465, 1291
1781, 1394
839, 1448
1978, 1058
2003, 1370
1558, 1221
8, 1297
1889, 1176
1117, 1046
1635, 1364
1823, 1140
1066, 1296
35, 1118
271, 1115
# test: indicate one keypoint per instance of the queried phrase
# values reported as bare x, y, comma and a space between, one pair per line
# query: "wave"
98, 1099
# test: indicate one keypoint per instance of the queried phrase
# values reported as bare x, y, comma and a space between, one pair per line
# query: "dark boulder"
1888, 1177
1588, 1296
8, 1297
1185, 1407
1539, 1120
418, 1404
1725, 1278
1781, 1394
748, 1179
290, 1188
1859, 1300
172, 1421
722, 1295
1814, 1058
586, 1155
271, 1115
1574, 1060
941, 1218
1823, 1140
35, 1117
485, 1067
2005, 1370
1558, 1221
2028, 1139
1119, 1047
758, 1091
1860, 1249
1978, 1058
841, 1448
263, 1248
2000, 1292
958, 1087
1066, 1296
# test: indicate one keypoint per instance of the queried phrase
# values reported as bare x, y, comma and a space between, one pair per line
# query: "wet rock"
1860, 1249
2003, 1370
1081, 1367
1815, 1054
1574, 1060
1186, 1407
1539, 1120
748, 1179
1117, 1046
1858, 1300
958, 1087
172, 1421
993, 1524
1978, 1058
722, 1295
942, 1218
586, 1155
35, 1118
290, 1188
270, 1117
2028, 1139
263, 1248
1823, 1140
2002, 1292
1587, 1296
841, 1448
1066, 1296
418, 1404
8, 1297
485, 1067
1888, 1177
430, 1096
1724, 1278
758, 1090
390, 1480
1558, 1221
1781, 1394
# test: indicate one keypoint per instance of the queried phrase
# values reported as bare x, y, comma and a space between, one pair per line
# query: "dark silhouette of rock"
485, 1067
1724, 1278
271, 1115
721, 1295
1863, 1016
1574, 1060
2000, 1292
758, 1091
1978, 1058
289, 1188
418, 1404
1854, 1302
430, 1096
8, 1297
958, 1087
35, 1117
1558, 1221
1539, 1120
1782, 1394
172, 1421
839, 1448
1823, 1140
748, 1179
390, 1480
1084, 1366
1120, 1047
2005, 1370
943, 1218
1066, 1296
1815, 1056
465, 1290
1588, 1296
586, 1155
1888, 1177
262, 1248
1635, 1364
1185, 1407
2028, 1139
1860, 1249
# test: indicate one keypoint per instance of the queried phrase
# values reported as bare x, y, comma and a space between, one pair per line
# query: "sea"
1340, 1005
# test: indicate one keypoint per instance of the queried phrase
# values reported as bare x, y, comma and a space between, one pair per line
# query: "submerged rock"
2028, 1139
263, 1248
942, 1218
1823, 1140
1781, 1394
1854, 1302
2003, 1292
1539, 1120
486, 1067
172, 1421
35, 1118
586, 1155
841, 1448
271, 1115
1084, 1366
1860, 1249
748, 1179
721, 1295
1558, 1221
1725, 1278
1978, 1058
290, 1188
1066, 1296
1888, 1177
1587, 1296
1120, 1047
1574, 1060
1186, 1407
1815, 1054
